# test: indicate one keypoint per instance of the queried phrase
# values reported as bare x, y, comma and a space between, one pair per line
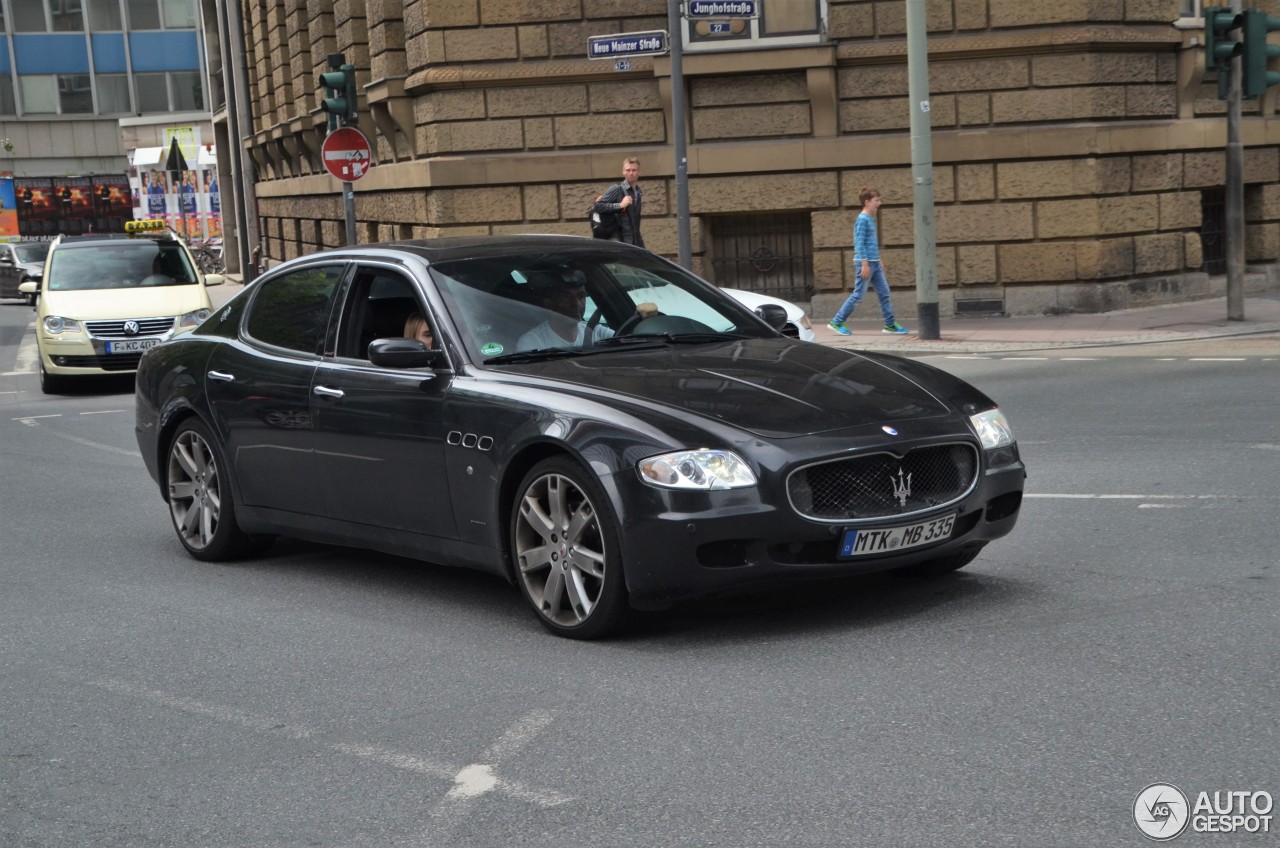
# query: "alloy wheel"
560, 550
195, 490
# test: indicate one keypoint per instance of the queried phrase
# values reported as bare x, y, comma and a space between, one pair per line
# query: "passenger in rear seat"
416, 327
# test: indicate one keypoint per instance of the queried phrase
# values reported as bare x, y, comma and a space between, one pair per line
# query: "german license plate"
131, 345
888, 540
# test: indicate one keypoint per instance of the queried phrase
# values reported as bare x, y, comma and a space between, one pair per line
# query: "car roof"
479, 247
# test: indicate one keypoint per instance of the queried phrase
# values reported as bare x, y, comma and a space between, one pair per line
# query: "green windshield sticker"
491, 348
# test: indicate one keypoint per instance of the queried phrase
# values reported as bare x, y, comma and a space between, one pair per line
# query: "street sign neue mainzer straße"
651, 43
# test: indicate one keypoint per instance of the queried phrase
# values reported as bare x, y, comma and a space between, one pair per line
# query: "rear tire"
201, 503
565, 554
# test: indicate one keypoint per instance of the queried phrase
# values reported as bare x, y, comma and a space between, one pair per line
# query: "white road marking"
34, 417
101, 411
1079, 359
966, 357
469, 783
28, 355
1025, 358
1266, 447
1128, 497
89, 443
1161, 506
1216, 359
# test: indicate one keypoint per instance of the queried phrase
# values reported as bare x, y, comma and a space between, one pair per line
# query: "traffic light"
1219, 47
339, 99
1257, 52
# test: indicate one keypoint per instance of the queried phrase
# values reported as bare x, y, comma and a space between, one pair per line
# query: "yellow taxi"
106, 298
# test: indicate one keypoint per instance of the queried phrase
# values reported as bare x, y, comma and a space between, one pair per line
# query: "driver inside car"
565, 327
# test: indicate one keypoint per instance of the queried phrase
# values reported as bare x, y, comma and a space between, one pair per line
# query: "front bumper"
741, 543
81, 355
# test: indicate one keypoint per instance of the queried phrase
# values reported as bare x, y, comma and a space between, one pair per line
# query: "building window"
113, 94
29, 17
75, 96
781, 22
104, 16
67, 16
153, 93
144, 14
187, 95
39, 94
179, 14
8, 106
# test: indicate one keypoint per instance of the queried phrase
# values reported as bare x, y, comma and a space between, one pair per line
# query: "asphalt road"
1125, 634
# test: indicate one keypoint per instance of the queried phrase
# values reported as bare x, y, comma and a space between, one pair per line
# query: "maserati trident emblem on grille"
131, 328
901, 488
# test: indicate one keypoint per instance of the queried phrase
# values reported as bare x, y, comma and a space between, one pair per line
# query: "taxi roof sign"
151, 225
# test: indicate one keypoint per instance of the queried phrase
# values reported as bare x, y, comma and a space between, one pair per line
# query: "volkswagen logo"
131, 328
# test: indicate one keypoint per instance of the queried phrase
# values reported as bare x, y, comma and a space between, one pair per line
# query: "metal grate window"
1213, 230
769, 254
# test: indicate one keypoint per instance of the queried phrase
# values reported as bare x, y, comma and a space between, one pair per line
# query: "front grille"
882, 485
112, 362
115, 329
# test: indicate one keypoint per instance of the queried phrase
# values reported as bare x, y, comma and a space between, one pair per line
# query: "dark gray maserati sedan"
581, 417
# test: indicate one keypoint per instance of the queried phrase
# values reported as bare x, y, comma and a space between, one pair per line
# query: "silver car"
21, 261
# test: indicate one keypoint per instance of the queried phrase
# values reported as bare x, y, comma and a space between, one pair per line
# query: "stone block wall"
1074, 140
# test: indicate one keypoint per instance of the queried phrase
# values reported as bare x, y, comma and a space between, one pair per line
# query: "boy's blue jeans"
860, 291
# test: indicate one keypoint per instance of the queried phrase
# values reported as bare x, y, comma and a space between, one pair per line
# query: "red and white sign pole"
347, 156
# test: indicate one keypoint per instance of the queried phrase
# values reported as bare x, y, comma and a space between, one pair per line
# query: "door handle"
222, 378
325, 391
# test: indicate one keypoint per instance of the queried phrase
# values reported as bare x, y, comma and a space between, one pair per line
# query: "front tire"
565, 552
200, 500
51, 384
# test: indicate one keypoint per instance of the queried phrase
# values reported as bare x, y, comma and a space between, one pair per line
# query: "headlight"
697, 469
992, 428
55, 324
193, 319
804, 322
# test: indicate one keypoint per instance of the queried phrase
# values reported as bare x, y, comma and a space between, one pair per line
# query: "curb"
922, 346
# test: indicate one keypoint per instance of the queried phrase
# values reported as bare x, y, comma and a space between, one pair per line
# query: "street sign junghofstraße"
723, 9
651, 43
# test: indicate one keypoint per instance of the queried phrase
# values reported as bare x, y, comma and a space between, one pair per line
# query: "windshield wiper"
536, 355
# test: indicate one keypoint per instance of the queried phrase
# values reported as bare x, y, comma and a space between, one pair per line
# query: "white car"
798, 325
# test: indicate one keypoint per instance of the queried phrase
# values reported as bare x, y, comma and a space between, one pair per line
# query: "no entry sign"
346, 154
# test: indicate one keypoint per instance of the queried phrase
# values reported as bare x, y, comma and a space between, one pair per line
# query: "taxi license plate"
131, 345
888, 540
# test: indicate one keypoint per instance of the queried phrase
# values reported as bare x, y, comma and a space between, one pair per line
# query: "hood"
774, 388
106, 304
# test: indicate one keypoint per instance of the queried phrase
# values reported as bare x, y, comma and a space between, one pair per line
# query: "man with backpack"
616, 213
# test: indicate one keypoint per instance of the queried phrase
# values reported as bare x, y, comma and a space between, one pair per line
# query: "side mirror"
29, 287
214, 279
773, 314
6, 258
402, 353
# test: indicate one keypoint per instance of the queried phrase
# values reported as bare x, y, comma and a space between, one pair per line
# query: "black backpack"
604, 225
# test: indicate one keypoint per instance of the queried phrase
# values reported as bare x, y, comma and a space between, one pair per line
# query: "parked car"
106, 298
797, 326
20, 262
592, 423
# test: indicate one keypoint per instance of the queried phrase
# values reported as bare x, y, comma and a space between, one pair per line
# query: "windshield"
123, 264
575, 302
34, 251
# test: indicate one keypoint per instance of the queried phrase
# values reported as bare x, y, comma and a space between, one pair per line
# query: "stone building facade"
1078, 145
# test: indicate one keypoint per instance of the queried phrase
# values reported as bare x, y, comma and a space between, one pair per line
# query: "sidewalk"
1202, 319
